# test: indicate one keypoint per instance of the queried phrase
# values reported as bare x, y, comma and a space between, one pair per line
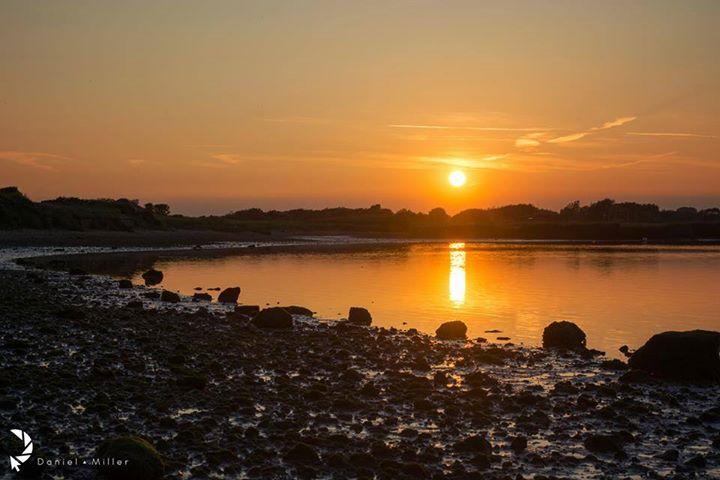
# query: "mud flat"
83, 361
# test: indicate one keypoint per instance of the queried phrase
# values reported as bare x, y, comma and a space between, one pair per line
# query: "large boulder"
171, 297
455, 330
130, 458
686, 356
273, 317
359, 316
229, 295
248, 310
296, 310
564, 336
152, 277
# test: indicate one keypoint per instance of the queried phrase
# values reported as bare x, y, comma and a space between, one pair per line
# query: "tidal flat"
84, 361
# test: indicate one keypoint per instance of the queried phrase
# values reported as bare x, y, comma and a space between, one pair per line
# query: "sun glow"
457, 178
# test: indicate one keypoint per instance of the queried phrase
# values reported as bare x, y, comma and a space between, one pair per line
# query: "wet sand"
218, 396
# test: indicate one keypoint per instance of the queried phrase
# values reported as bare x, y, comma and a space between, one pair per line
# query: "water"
617, 294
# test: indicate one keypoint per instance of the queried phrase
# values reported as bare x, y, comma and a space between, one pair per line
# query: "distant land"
602, 220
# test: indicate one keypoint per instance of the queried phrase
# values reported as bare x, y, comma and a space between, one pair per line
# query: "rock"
563, 336
152, 277
201, 297
625, 350
125, 283
77, 272
248, 310
601, 443
71, 313
455, 330
296, 310
135, 305
518, 444
273, 317
474, 444
135, 458
192, 381
613, 364
301, 453
229, 295
170, 297
359, 316
687, 356
670, 455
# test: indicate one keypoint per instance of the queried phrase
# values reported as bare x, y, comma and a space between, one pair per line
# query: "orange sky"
218, 105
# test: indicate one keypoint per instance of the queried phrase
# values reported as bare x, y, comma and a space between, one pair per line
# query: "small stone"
152, 277
359, 316
455, 330
134, 458
273, 317
171, 297
229, 295
301, 453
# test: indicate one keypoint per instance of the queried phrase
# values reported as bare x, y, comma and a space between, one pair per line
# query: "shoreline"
215, 394
187, 238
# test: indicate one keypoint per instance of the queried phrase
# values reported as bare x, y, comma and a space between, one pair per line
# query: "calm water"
618, 295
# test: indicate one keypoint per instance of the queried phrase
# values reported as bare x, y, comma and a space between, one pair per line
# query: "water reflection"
457, 274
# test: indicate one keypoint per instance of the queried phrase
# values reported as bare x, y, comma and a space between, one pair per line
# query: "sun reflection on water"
457, 274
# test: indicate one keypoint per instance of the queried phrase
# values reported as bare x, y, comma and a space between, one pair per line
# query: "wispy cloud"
670, 134
227, 158
39, 160
297, 120
618, 122
486, 161
466, 127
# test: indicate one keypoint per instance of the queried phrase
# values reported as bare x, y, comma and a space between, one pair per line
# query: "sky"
217, 105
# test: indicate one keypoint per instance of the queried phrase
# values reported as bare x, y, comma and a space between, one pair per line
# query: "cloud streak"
38, 160
618, 122
465, 127
670, 134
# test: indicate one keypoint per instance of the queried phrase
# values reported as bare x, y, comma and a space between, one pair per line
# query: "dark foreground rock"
273, 317
297, 310
247, 310
125, 283
563, 336
359, 316
152, 277
686, 356
454, 330
201, 297
229, 295
130, 458
170, 297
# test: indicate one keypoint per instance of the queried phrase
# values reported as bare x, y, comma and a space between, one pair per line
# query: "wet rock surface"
690, 356
454, 330
563, 336
218, 397
229, 295
359, 316
152, 277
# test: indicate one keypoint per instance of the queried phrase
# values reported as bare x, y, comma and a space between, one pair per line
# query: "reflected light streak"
457, 274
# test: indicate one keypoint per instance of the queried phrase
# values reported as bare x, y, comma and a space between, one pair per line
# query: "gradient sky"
217, 105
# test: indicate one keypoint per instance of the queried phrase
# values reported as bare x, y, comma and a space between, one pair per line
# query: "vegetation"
602, 220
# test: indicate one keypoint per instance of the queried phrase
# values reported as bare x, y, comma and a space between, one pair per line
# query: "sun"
457, 178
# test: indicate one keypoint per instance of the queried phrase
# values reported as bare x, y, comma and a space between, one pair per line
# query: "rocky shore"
198, 392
